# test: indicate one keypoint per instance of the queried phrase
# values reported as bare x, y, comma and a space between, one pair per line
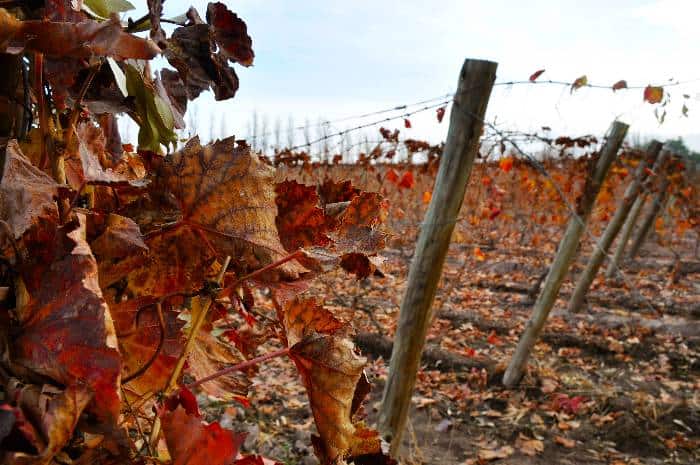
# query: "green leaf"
103, 9
119, 76
155, 117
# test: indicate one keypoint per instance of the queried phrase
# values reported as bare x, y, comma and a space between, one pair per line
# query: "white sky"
328, 59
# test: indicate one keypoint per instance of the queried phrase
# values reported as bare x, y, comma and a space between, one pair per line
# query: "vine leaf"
536, 74
84, 39
300, 221
578, 83
200, 51
26, 193
138, 327
66, 331
332, 373
45, 417
119, 249
653, 94
192, 442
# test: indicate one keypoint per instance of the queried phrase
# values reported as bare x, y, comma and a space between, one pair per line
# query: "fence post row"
466, 121
565, 255
600, 250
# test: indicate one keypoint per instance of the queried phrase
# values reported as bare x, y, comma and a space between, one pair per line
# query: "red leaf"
619, 85
440, 114
193, 442
535, 75
653, 94
506, 164
493, 339
407, 181
407, 123
392, 176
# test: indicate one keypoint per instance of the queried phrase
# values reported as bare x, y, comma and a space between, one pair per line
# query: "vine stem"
197, 324
240, 366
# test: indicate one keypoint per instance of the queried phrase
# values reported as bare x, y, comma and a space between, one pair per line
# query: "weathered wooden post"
601, 249
565, 255
625, 234
657, 205
466, 121
631, 221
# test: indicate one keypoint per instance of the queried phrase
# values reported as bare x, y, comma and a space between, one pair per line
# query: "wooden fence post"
631, 221
600, 250
657, 204
466, 121
565, 255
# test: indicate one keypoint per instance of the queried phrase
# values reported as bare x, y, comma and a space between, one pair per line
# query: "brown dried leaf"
83, 40
26, 193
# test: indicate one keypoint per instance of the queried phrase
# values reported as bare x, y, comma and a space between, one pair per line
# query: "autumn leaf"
66, 332
653, 94
302, 316
200, 51
479, 255
495, 454
359, 228
536, 74
230, 33
578, 83
407, 181
210, 355
193, 442
119, 249
45, 417
219, 200
300, 221
506, 164
83, 40
427, 195
407, 123
529, 447
27, 193
146, 343
562, 441
392, 176
336, 191
622, 84
440, 114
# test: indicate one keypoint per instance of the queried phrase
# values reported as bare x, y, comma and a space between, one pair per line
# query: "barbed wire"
444, 97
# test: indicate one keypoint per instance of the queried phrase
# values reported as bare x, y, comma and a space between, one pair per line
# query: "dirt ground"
616, 384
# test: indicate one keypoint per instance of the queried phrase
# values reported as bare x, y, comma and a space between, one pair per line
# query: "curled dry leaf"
332, 373
45, 418
26, 193
66, 332
200, 52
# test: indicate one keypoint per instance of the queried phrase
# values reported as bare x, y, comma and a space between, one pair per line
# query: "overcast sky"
328, 59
